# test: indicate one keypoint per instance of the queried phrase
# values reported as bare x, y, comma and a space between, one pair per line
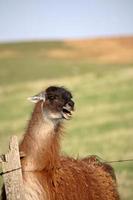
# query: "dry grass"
102, 123
113, 50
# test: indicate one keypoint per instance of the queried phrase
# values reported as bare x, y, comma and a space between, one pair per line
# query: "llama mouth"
66, 113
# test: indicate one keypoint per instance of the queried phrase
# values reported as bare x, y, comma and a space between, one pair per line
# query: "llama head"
57, 102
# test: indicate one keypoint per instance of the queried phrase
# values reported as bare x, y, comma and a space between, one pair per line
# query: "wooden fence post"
12, 173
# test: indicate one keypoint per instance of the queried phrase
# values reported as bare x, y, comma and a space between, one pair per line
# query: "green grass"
103, 121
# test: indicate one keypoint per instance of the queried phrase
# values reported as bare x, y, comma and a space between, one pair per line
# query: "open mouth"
67, 113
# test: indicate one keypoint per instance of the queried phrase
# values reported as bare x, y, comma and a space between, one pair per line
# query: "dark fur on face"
58, 100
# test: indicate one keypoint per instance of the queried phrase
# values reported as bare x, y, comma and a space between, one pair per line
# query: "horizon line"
24, 40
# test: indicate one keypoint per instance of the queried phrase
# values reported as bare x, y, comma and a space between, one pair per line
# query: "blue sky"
61, 19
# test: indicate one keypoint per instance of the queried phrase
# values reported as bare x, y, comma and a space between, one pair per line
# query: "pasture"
100, 76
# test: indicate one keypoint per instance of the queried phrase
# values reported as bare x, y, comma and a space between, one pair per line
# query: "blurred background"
86, 46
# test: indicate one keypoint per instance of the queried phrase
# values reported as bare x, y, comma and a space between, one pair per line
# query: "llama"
48, 175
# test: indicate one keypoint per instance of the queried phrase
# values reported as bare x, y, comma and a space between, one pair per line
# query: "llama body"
46, 174
72, 180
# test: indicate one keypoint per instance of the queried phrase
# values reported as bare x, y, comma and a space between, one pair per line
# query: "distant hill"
106, 50
112, 50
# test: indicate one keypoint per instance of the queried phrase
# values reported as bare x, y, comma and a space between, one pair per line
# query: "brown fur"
54, 177
49, 176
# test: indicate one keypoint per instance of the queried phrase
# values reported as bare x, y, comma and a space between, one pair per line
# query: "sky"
64, 19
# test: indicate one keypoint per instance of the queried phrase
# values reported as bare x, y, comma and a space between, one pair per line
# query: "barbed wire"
2, 159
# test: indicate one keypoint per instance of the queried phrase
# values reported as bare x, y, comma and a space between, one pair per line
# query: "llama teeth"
67, 110
67, 115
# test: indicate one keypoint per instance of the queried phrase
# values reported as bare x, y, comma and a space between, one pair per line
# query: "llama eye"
51, 97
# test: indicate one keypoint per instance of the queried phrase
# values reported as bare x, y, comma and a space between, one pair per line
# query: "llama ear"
37, 98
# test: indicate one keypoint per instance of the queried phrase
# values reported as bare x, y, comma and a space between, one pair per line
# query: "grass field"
103, 91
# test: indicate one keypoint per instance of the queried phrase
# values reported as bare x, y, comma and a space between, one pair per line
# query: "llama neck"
41, 142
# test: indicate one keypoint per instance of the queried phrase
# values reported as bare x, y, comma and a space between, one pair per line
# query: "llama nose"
71, 104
